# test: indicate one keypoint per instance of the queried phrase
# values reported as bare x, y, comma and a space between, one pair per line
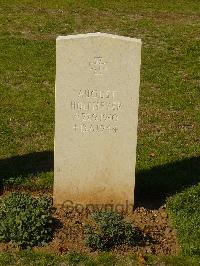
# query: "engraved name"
97, 94
95, 106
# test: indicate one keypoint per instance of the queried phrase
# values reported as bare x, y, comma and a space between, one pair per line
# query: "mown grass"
184, 210
169, 113
103, 259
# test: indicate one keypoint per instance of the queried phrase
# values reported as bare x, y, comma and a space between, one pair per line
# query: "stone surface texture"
96, 116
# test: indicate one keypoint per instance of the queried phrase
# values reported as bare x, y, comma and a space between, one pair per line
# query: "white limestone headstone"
96, 116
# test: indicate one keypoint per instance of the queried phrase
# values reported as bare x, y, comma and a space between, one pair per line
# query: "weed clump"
108, 229
25, 220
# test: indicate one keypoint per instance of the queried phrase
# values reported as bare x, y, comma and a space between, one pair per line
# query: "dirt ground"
69, 235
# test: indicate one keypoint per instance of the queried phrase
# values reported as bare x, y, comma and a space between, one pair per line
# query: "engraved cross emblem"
98, 66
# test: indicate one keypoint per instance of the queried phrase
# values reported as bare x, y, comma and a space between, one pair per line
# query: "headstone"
96, 116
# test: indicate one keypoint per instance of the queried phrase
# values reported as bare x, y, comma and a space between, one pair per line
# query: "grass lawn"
184, 210
103, 259
169, 114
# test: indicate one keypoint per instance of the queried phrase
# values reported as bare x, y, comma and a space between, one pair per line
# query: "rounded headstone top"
98, 34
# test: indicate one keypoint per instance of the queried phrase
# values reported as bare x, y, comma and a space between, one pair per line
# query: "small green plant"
25, 220
108, 229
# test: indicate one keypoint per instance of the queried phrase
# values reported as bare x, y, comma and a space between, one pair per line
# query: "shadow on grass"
25, 165
152, 186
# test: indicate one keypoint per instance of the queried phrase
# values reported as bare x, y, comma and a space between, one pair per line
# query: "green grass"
31, 258
71, 259
184, 210
169, 113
